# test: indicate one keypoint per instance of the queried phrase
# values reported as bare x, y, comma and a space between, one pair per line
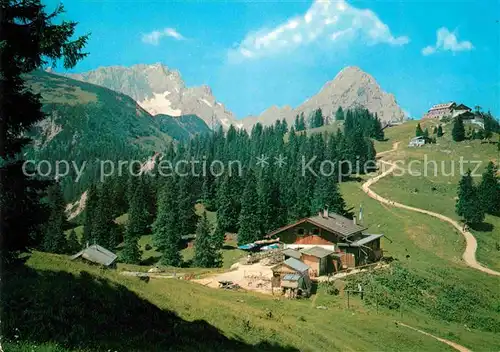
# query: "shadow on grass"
92, 313
483, 227
151, 261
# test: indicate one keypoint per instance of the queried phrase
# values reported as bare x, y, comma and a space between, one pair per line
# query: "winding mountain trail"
448, 342
469, 255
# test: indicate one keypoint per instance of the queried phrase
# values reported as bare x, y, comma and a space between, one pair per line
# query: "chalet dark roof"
96, 254
337, 224
318, 252
462, 107
334, 223
289, 252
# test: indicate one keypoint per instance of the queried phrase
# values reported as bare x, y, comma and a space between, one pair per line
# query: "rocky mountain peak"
352, 87
160, 90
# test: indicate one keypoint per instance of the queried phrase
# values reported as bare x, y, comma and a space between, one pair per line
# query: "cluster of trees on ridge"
491, 125
474, 201
252, 204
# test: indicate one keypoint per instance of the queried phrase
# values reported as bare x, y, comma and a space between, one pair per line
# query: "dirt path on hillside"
469, 255
448, 342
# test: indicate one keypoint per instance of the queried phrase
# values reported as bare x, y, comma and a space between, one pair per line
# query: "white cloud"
447, 41
154, 37
325, 21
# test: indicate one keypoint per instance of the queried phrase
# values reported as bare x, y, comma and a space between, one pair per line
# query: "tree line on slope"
261, 199
474, 201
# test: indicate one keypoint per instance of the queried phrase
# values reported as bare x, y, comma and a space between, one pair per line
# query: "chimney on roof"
325, 213
354, 220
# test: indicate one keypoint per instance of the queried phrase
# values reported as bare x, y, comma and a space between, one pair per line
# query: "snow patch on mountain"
160, 104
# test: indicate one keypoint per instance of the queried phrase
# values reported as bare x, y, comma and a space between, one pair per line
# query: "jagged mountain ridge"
352, 87
159, 90
87, 123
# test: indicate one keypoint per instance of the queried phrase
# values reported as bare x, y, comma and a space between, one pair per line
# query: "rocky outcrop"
351, 88
159, 90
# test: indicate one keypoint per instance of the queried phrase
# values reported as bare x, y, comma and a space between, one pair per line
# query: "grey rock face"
350, 88
160, 90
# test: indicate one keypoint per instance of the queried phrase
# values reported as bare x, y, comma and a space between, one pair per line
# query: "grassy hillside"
436, 188
100, 310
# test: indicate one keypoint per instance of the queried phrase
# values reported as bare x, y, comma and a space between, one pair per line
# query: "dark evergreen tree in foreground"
91, 202
166, 233
489, 189
227, 212
54, 239
249, 219
206, 246
208, 191
137, 226
458, 131
73, 244
469, 203
105, 232
435, 130
28, 40
186, 202
327, 196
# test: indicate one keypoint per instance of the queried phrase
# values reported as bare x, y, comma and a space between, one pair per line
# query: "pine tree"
186, 202
138, 214
206, 253
166, 234
137, 225
227, 211
339, 115
317, 119
435, 130
25, 22
73, 244
297, 123
426, 133
104, 229
468, 203
54, 240
269, 205
458, 131
302, 123
327, 195
208, 192
440, 131
130, 253
91, 202
249, 230
489, 189
418, 131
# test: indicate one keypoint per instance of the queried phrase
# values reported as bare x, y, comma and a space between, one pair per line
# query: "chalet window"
316, 232
300, 232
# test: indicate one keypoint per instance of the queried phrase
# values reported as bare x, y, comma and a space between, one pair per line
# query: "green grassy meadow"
85, 308
434, 187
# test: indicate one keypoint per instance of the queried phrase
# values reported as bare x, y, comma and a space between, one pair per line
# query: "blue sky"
257, 54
